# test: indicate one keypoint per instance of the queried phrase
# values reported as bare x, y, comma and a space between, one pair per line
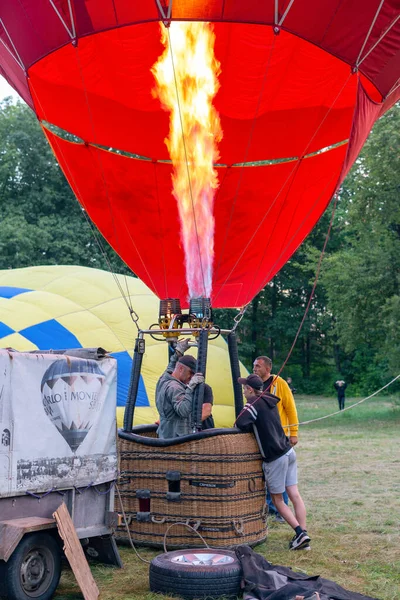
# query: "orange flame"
186, 85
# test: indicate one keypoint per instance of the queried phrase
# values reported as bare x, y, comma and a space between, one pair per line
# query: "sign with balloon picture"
60, 415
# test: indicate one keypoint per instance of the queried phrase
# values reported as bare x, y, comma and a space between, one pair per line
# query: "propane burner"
200, 312
170, 317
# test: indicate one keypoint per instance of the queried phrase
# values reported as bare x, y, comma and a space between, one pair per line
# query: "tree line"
352, 329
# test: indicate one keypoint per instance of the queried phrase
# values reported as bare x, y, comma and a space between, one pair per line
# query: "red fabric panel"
276, 208
338, 27
281, 96
365, 115
16, 78
34, 28
102, 92
130, 202
262, 215
384, 60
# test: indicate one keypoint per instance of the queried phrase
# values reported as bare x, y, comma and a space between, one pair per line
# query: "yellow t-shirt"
286, 406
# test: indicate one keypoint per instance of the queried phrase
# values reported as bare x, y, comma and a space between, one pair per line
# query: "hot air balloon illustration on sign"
71, 396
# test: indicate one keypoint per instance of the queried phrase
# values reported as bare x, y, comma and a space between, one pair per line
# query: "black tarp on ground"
264, 581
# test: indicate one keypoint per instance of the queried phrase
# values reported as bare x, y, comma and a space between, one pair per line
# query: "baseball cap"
254, 381
188, 361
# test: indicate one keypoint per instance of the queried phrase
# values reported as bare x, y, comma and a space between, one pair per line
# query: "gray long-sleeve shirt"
174, 403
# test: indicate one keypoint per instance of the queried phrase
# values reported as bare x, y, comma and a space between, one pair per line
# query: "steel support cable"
85, 212
292, 176
285, 14
165, 17
310, 298
99, 243
127, 298
287, 179
235, 372
273, 266
322, 254
285, 182
161, 231
95, 138
246, 152
103, 251
115, 277
294, 234
370, 30
271, 231
129, 234
339, 412
240, 316
15, 56
186, 161
133, 313
80, 309
98, 158
393, 89
116, 15
393, 23
72, 33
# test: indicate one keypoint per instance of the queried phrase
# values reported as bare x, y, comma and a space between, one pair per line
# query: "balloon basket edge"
211, 481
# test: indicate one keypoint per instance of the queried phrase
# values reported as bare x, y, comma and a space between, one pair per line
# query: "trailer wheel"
198, 573
34, 568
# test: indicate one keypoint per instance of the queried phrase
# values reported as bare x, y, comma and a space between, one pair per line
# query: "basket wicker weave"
211, 480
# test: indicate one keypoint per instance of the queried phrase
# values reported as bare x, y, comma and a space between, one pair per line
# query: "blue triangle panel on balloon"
50, 335
123, 378
5, 330
9, 291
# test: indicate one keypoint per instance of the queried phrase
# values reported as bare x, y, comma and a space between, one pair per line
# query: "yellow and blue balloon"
60, 307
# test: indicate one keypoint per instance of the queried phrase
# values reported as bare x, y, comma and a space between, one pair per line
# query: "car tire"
33, 570
197, 573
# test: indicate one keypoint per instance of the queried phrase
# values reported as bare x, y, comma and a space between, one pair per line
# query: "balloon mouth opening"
66, 136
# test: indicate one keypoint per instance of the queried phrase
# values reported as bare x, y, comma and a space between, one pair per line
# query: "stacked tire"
197, 573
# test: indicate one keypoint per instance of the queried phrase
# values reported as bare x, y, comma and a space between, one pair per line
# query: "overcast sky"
6, 90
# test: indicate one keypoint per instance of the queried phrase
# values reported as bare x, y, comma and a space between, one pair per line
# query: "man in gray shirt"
174, 394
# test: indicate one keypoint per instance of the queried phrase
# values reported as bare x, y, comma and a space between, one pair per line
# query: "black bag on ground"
264, 581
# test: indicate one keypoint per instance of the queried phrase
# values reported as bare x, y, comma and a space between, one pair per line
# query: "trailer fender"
13, 530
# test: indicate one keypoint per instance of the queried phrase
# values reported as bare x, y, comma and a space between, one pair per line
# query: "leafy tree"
273, 317
362, 276
352, 328
41, 221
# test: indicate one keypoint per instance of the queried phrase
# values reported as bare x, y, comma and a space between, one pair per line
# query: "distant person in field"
340, 387
290, 384
260, 415
262, 367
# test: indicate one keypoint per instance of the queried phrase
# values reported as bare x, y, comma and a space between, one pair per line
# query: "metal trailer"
30, 547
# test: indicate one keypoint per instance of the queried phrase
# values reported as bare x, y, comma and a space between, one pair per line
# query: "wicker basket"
211, 480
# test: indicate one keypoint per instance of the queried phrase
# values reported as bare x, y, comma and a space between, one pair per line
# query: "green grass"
349, 477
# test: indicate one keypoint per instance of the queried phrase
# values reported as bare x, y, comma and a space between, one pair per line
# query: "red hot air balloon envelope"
302, 83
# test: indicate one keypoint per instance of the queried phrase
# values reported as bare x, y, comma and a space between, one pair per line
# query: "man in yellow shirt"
262, 367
